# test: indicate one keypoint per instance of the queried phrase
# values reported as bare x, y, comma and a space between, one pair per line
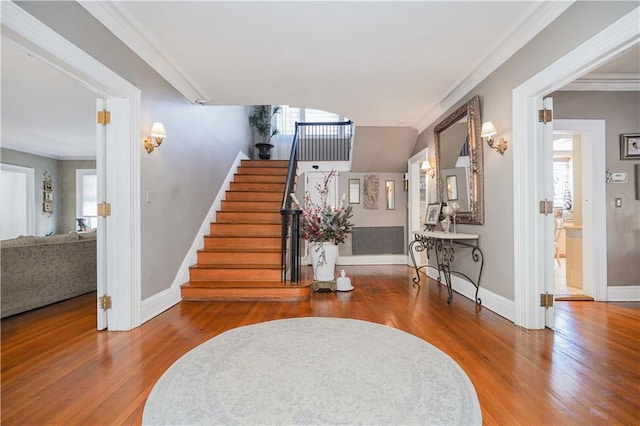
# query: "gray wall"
621, 112
67, 172
383, 149
45, 223
185, 174
375, 217
576, 25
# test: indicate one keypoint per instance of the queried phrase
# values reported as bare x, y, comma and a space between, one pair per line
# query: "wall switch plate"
618, 202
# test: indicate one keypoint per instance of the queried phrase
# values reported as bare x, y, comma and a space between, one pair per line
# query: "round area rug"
314, 371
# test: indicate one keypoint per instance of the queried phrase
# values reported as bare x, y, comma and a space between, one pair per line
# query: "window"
562, 184
87, 196
286, 120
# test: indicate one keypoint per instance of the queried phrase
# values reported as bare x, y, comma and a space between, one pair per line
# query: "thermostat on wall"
617, 177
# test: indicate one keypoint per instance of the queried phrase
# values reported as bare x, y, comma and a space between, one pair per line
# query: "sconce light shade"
158, 133
427, 169
488, 130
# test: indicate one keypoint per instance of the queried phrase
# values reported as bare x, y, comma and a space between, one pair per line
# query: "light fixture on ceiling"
158, 133
488, 130
427, 169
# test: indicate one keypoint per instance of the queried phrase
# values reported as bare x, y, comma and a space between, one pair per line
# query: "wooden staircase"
241, 255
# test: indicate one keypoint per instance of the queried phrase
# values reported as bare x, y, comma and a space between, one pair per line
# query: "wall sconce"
427, 169
158, 133
488, 130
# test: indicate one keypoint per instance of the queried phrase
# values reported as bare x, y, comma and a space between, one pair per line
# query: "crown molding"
614, 82
542, 14
124, 26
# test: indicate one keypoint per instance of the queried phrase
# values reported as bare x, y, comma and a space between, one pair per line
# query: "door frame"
594, 203
529, 241
414, 222
122, 169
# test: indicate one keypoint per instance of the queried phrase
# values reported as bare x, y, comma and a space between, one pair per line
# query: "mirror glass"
390, 194
459, 162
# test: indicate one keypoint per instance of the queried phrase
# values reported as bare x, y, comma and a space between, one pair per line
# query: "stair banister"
291, 218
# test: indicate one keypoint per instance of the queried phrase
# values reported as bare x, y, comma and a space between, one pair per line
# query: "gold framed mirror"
459, 159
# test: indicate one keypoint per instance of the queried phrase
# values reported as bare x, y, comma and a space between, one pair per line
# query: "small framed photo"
48, 196
433, 214
47, 207
630, 146
47, 185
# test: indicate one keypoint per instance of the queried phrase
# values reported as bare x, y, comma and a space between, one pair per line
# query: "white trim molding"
527, 98
162, 301
490, 300
542, 14
629, 293
382, 259
611, 82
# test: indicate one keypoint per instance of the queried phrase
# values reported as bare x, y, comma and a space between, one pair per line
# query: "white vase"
323, 259
445, 224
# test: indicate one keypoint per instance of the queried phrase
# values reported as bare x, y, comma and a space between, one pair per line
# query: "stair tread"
241, 236
235, 284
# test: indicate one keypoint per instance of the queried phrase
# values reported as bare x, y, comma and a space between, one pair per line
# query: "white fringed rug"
314, 371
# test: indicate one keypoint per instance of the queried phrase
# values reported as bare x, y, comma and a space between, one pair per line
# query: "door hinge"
546, 300
104, 302
545, 115
104, 209
546, 207
104, 117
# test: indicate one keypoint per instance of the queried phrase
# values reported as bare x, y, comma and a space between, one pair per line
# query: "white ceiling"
44, 111
378, 63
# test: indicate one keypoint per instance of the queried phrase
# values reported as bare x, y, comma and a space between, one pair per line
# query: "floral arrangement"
324, 222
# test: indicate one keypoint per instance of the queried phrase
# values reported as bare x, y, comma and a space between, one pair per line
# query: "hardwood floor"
57, 369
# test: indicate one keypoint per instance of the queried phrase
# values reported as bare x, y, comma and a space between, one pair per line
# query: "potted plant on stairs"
261, 120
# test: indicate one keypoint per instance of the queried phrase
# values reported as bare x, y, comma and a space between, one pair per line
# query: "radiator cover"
367, 240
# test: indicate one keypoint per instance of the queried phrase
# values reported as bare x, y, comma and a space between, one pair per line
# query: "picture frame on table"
433, 214
630, 146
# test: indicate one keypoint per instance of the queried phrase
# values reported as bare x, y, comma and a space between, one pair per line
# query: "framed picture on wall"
630, 146
48, 196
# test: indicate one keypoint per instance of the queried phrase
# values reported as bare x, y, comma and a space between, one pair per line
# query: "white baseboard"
162, 301
623, 293
490, 300
383, 259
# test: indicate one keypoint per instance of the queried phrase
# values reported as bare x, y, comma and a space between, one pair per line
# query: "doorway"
531, 251
121, 161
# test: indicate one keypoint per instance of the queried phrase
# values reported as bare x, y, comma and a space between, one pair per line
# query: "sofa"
38, 271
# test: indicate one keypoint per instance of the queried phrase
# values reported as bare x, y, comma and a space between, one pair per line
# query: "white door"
548, 219
101, 243
17, 201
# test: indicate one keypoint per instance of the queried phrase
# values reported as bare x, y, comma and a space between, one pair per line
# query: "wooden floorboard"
57, 369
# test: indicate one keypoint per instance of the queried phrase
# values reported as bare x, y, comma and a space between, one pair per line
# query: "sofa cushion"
22, 240
87, 235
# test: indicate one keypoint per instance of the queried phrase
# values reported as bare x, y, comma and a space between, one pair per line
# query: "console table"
444, 245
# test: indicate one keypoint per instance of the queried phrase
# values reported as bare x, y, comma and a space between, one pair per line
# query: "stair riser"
235, 274
238, 258
282, 294
260, 178
256, 186
251, 217
240, 243
261, 171
249, 230
253, 196
249, 206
